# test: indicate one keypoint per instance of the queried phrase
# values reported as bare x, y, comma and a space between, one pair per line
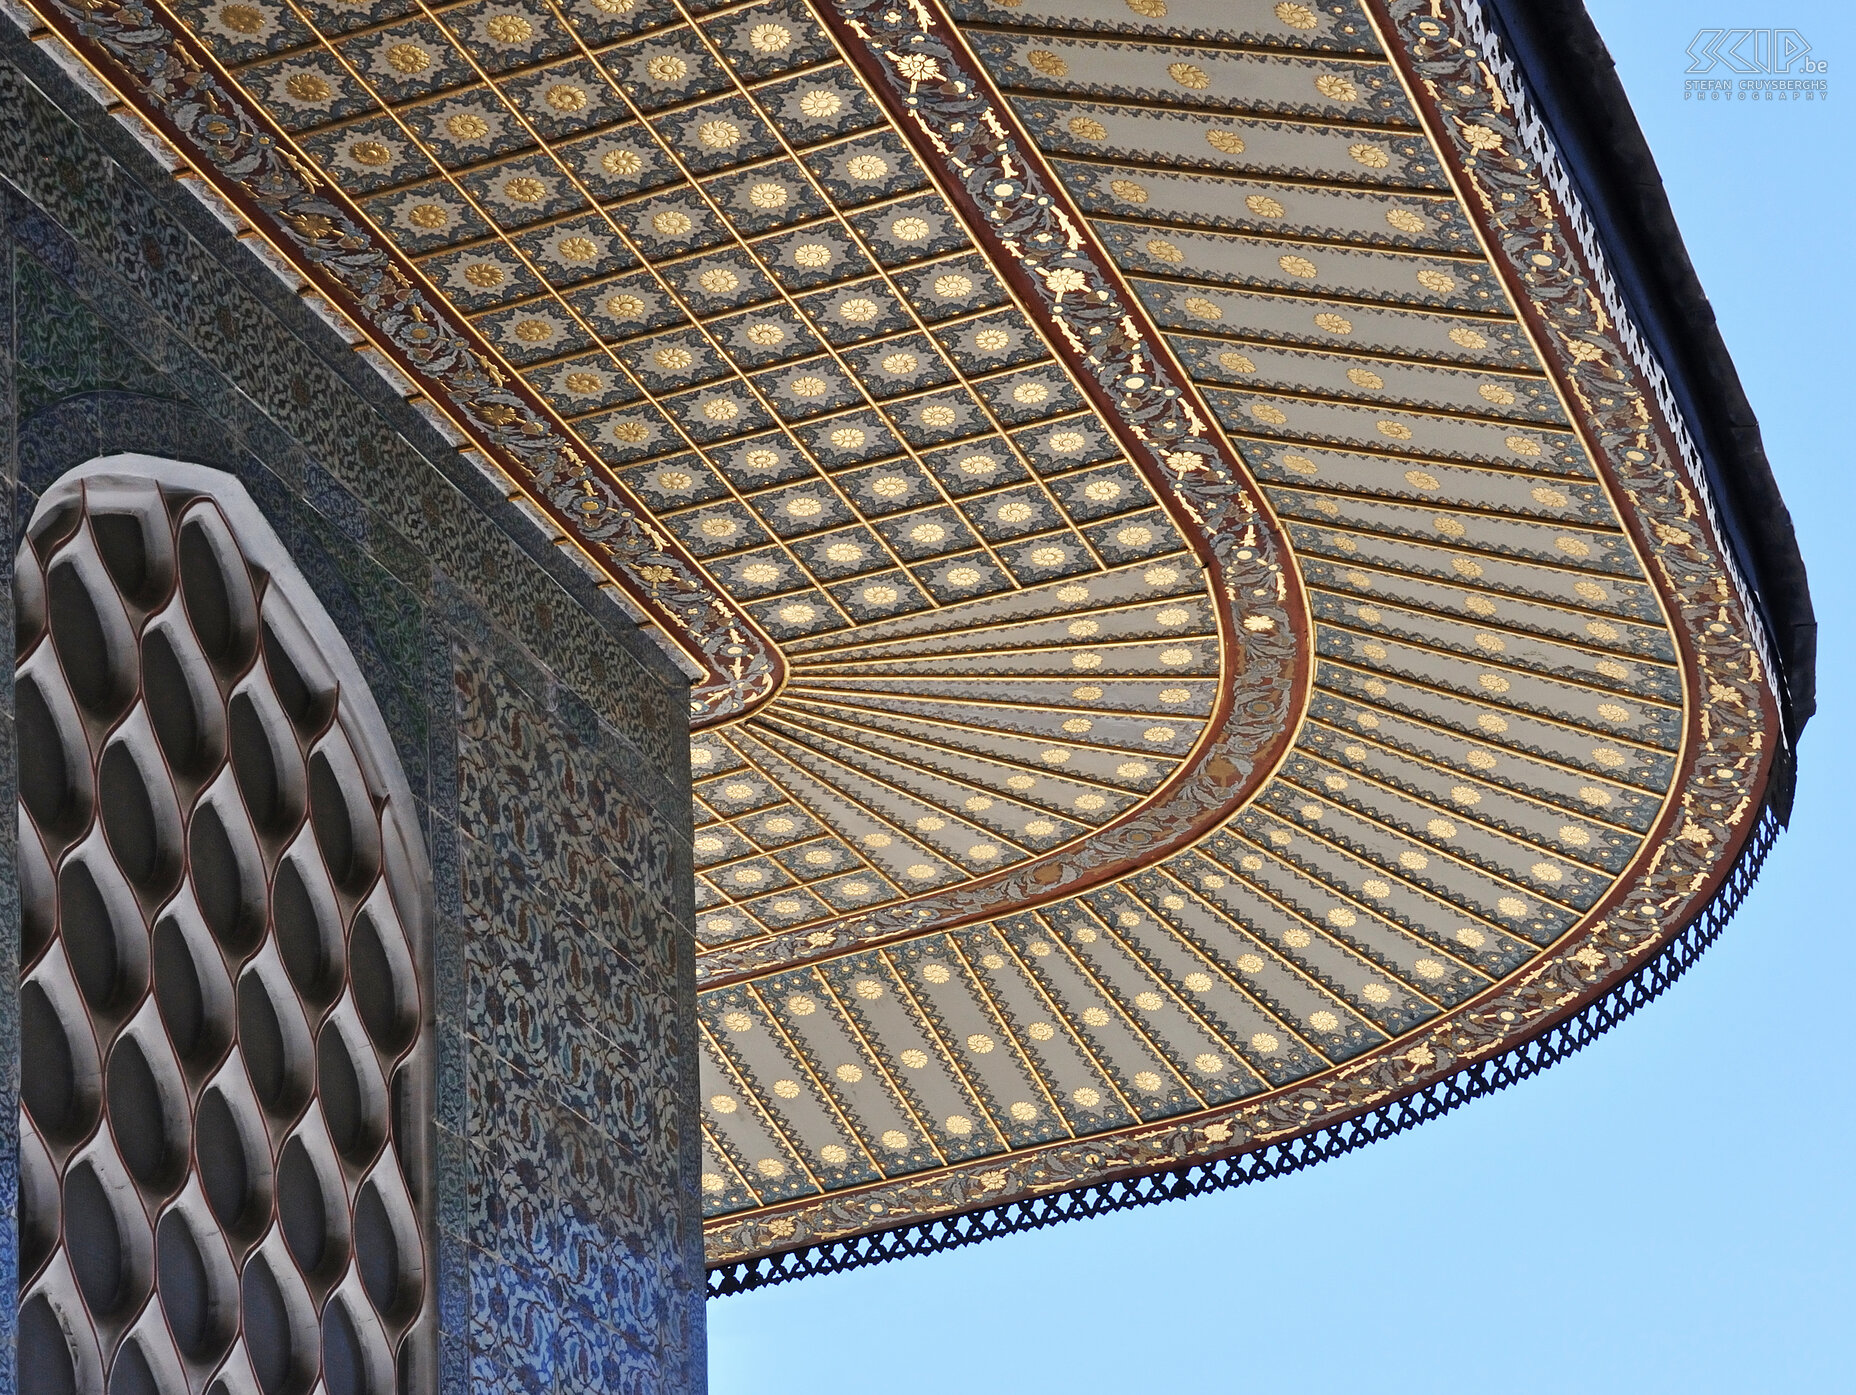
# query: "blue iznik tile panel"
542, 737
578, 1236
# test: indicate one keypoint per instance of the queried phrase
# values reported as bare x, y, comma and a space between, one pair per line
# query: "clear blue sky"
1671, 1209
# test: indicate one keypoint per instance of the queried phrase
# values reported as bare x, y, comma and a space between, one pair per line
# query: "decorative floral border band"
1017, 211
1476, 111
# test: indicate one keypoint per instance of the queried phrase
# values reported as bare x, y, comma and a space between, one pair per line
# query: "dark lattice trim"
1473, 1082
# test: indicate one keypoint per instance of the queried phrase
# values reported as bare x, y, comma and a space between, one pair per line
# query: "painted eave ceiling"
1206, 622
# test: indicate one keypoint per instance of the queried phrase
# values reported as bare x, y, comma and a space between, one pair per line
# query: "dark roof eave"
1570, 74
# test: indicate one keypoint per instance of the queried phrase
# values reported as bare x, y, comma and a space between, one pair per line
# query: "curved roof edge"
1486, 1077
1582, 100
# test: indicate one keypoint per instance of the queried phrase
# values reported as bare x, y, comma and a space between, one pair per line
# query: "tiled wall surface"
543, 738
571, 955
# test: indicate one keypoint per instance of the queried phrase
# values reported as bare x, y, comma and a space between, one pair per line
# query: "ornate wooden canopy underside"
1206, 622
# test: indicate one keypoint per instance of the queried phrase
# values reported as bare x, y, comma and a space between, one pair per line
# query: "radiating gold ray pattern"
1089, 831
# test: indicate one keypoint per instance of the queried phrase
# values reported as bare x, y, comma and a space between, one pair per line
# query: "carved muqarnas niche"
224, 895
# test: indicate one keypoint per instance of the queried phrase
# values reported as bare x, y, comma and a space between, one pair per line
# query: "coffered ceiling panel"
1207, 622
